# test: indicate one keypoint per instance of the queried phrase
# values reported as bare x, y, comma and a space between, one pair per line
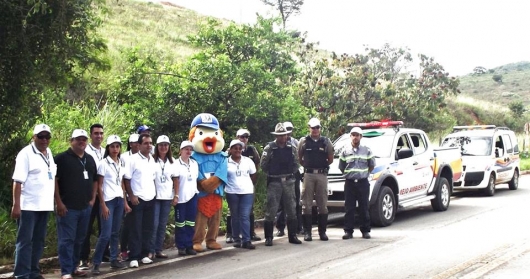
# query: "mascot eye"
216, 133
200, 133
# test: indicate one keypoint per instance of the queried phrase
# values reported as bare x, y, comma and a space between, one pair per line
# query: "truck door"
404, 168
502, 164
423, 173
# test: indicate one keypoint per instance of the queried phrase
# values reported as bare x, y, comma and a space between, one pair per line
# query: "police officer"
280, 162
356, 163
280, 216
315, 153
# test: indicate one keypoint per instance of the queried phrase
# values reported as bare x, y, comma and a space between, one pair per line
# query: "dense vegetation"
122, 63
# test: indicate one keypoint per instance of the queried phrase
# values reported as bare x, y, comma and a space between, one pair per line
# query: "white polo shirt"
112, 177
164, 174
239, 181
141, 171
36, 172
187, 174
97, 154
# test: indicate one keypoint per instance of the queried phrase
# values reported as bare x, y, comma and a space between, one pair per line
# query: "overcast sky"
459, 34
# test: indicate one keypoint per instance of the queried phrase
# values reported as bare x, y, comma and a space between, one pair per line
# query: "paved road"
478, 237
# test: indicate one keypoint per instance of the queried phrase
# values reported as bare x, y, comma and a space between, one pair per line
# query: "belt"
358, 180
325, 171
281, 178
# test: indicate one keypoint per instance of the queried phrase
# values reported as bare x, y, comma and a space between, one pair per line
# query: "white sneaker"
133, 263
147, 260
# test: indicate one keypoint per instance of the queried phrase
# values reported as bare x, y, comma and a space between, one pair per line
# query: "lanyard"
162, 166
187, 165
83, 163
46, 159
96, 151
116, 169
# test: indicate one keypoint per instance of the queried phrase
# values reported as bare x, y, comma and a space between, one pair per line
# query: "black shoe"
255, 237
182, 251
323, 237
268, 241
237, 244
229, 239
116, 264
248, 245
366, 235
190, 251
308, 237
347, 236
294, 240
83, 265
280, 233
95, 270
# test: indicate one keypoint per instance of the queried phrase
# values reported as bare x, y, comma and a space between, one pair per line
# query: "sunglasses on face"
245, 137
315, 128
44, 137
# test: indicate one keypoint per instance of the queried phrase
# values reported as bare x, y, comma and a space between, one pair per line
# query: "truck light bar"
473, 127
377, 124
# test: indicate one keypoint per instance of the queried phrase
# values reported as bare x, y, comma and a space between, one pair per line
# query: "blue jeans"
110, 230
71, 232
240, 206
161, 215
185, 214
31, 235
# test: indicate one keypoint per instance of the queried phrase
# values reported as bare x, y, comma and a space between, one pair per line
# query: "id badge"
118, 181
163, 179
189, 177
85, 174
238, 172
50, 175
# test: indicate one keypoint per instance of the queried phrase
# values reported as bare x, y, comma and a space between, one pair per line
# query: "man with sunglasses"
33, 187
251, 152
315, 153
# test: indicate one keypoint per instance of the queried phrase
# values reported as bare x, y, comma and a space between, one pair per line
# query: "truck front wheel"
443, 195
383, 212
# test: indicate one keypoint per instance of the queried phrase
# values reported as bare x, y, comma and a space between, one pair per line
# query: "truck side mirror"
404, 153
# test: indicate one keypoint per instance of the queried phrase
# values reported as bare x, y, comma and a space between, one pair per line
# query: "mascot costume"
208, 144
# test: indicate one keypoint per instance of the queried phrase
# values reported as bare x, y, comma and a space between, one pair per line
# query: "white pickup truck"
408, 171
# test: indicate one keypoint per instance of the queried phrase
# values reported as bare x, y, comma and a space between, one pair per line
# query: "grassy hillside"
515, 85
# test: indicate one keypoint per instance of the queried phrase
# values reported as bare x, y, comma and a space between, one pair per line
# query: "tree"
517, 108
497, 78
45, 46
287, 8
479, 70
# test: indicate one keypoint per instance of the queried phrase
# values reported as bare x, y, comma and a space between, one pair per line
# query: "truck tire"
514, 183
490, 189
443, 195
383, 212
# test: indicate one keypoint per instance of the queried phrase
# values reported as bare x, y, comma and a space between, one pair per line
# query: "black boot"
322, 224
253, 235
268, 227
307, 218
291, 231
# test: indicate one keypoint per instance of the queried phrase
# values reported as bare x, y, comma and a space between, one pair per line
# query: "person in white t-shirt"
132, 148
167, 189
140, 185
33, 189
111, 194
185, 202
240, 193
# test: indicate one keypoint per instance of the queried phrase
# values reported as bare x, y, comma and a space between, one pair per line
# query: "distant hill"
514, 86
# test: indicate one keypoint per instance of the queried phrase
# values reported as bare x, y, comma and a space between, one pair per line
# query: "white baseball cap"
134, 138
112, 139
356, 130
235, 142
288, 125
162, 138
41, 128
241, 132
313, 122
186, 143
79, 133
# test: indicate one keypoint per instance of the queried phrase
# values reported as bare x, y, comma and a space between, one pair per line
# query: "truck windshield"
471, 146
381, 145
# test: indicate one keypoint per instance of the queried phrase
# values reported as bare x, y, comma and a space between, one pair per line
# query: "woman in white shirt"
111, 194
186, 205
167, 189
240, 193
